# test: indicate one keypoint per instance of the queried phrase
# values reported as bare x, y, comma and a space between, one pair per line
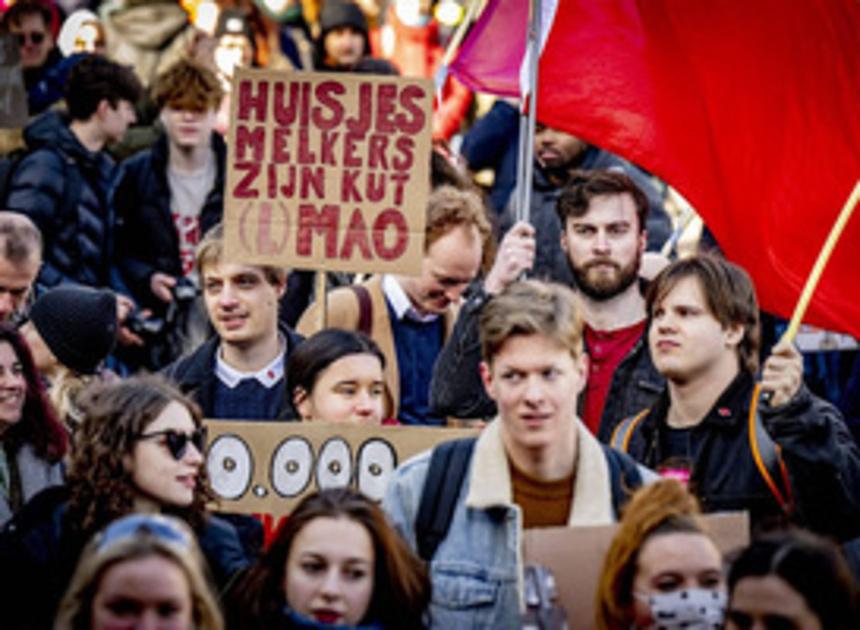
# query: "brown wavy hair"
401, 584
100, 485
663, 507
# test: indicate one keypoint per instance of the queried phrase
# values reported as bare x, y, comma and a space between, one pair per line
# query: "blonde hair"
210, 251
101, 553
662, 507
532, 307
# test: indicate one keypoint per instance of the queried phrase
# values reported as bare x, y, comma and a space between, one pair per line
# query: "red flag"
751, 110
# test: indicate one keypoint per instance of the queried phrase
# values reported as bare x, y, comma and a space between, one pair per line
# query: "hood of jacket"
148, 25
51, 130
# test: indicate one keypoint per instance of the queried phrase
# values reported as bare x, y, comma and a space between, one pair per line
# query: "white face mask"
691, 609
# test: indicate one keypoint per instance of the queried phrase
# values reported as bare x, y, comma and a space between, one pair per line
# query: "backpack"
766, 453
444, 482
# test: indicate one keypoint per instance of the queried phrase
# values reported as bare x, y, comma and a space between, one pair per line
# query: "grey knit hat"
78, 324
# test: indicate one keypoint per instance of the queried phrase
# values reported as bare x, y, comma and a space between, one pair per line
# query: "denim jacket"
477, 572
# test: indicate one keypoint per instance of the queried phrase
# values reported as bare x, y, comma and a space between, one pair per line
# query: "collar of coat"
490, 479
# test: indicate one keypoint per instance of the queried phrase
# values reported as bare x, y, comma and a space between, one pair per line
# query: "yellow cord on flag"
821, 262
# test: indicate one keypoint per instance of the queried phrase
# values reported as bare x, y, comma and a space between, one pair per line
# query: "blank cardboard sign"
575, 557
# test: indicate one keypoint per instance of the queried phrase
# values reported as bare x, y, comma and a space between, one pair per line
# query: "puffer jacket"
63, 188
146, 238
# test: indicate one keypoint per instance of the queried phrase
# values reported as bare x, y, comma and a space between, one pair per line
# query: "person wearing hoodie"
62, 184
148, 35
344, 44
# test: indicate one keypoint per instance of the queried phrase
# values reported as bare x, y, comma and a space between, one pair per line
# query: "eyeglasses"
35, 38
160, 527
177, 442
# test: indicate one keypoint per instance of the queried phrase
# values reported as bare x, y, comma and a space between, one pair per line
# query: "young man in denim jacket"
535, 465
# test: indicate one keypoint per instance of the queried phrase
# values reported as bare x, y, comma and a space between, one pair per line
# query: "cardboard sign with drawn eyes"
266, 467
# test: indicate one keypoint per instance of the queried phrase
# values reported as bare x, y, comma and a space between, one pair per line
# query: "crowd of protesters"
607, 381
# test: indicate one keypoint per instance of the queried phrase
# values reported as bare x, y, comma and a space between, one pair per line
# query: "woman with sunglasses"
141, 570
336, 562
32, 440
339, 376
139, 449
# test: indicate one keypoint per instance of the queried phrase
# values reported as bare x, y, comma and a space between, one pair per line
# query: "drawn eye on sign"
266, 467
291, 466
230, 466
375, 464
334, 465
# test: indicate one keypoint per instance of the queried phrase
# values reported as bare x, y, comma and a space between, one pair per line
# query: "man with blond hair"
171, 193
534, 465
239, 373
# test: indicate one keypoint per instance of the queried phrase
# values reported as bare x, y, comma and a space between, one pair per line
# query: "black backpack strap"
445, 475
365, 308
624, 477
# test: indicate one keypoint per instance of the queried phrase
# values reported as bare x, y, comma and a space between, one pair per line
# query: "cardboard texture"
13, 95
266, 467
328, 171
575, 555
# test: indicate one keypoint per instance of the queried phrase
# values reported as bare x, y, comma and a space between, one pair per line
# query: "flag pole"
821, 262
528, 113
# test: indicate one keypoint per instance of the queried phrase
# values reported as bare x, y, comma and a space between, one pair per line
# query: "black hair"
318, 352
94, 79
810, 565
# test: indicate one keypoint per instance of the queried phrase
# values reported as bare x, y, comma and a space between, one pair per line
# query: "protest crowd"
592, 369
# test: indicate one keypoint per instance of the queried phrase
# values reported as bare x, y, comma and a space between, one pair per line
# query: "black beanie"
337, 13
78, 324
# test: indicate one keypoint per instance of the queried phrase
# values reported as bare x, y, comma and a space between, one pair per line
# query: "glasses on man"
134, 525
34, 38
177, 441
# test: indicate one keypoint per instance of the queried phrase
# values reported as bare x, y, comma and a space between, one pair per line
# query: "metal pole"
525, 165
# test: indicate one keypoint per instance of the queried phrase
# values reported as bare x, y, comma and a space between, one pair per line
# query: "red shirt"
606, 349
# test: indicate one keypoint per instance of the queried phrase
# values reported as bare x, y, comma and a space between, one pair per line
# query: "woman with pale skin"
791, 580
336, 562
32, 440
662, 565
141, 571
338, 376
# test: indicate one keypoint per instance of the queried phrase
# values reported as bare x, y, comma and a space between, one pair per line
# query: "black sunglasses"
177, 442
36, 38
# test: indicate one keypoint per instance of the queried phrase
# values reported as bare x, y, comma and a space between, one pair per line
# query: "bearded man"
603, 214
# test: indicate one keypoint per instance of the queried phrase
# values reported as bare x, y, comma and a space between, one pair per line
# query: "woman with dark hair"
335, 562
662, 569
139, 449
791, 579
32, 440
339, 376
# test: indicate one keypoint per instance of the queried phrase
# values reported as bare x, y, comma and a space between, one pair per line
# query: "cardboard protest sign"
13, 96
266, 467
575, 556
328, 171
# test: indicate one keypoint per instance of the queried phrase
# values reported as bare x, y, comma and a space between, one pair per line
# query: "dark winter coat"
456, 389
147, 240
63, 188
195, 375
821, 457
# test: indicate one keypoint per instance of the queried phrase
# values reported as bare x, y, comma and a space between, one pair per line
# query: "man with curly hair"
171, 193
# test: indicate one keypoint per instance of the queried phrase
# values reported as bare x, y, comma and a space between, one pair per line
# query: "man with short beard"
603, 217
